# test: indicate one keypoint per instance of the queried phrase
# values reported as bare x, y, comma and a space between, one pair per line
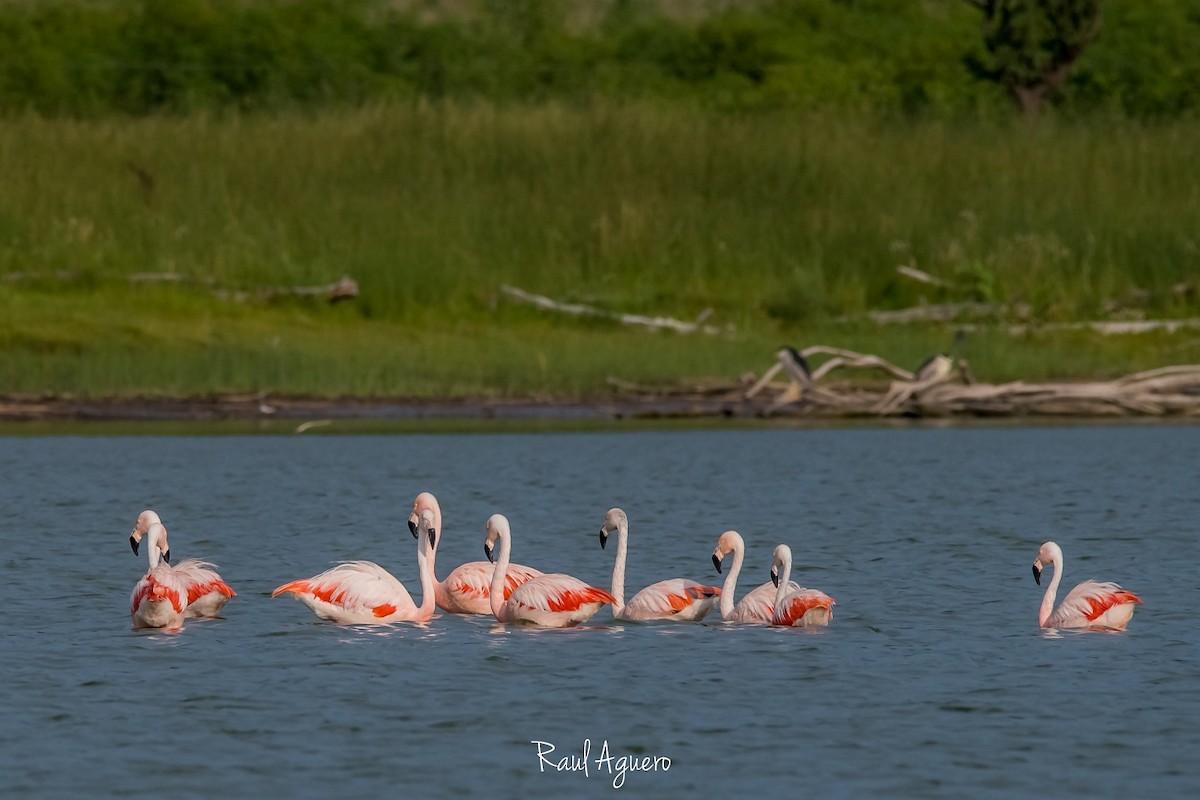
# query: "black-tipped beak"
134, 544
167, 556
1037, 575
717, 563
603, 538
775, 579
487, 551
412, 528
432, 537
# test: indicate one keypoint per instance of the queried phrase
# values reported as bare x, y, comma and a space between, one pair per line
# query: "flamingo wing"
473, 581
791, 610
353, 591
669, 598
201, 579
555, 593
1087, 603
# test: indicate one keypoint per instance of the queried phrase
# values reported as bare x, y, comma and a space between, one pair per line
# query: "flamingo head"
427, 514
727, 543
140, 529
1050, 553
614, 520
496, 527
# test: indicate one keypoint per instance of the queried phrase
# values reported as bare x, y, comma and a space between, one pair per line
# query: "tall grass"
780, 224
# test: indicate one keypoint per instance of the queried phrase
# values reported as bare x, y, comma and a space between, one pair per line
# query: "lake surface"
932, 681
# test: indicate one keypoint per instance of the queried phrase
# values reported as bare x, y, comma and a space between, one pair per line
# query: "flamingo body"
679, 599
551, 600
467, 589
758, 606
354, 593
799, 607
364, 593
158, 599
207, 593
1091, 604
674, 598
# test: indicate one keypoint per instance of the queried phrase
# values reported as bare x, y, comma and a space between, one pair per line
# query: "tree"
1033, 44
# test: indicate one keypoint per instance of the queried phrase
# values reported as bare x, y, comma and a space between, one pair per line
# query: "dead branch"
943, 386
578, 309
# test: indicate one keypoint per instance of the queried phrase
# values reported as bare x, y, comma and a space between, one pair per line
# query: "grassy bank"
781, 225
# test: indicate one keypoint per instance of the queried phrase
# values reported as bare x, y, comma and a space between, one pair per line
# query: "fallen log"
578, 309
934, 391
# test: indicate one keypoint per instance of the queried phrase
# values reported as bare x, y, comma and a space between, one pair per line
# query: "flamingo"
467, 588
552, 601
759, 604
207, 593
800, 607
674, 598
1089, 605
159, 598
364, 593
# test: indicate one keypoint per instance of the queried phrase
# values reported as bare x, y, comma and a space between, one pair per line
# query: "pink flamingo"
467, 589
674, 598
159, 598
364, 593
551, 601
797, 608
1089, 605
758, 605
207, 593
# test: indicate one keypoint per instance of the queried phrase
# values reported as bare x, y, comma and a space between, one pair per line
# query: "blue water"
932, 681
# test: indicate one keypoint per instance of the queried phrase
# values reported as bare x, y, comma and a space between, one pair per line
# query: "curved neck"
500, 574
785, 575
618, 575
730, 584
425, 556
155, 544
1051, 592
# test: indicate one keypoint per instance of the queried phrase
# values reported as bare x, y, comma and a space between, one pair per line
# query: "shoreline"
831, 404
298, 409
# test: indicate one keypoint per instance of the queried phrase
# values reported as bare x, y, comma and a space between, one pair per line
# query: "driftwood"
578, 309
343, 289
943, 386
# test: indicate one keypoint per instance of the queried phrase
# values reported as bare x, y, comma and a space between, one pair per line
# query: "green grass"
780, 224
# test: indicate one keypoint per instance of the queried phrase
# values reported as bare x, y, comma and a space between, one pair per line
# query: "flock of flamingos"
361, 592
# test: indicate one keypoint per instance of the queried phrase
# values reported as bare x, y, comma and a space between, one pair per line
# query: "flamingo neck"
500, 575
1051, 592
425, 557
730, 584
785, 577
618, 575
154, 538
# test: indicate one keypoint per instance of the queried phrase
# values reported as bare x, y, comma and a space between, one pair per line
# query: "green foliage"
78, 58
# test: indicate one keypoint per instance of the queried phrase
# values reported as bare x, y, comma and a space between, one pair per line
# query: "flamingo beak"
412, 527
134, 544
1037, 573
603, 538
487, 550
717, 563
167, 556
432, 537
775, 579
